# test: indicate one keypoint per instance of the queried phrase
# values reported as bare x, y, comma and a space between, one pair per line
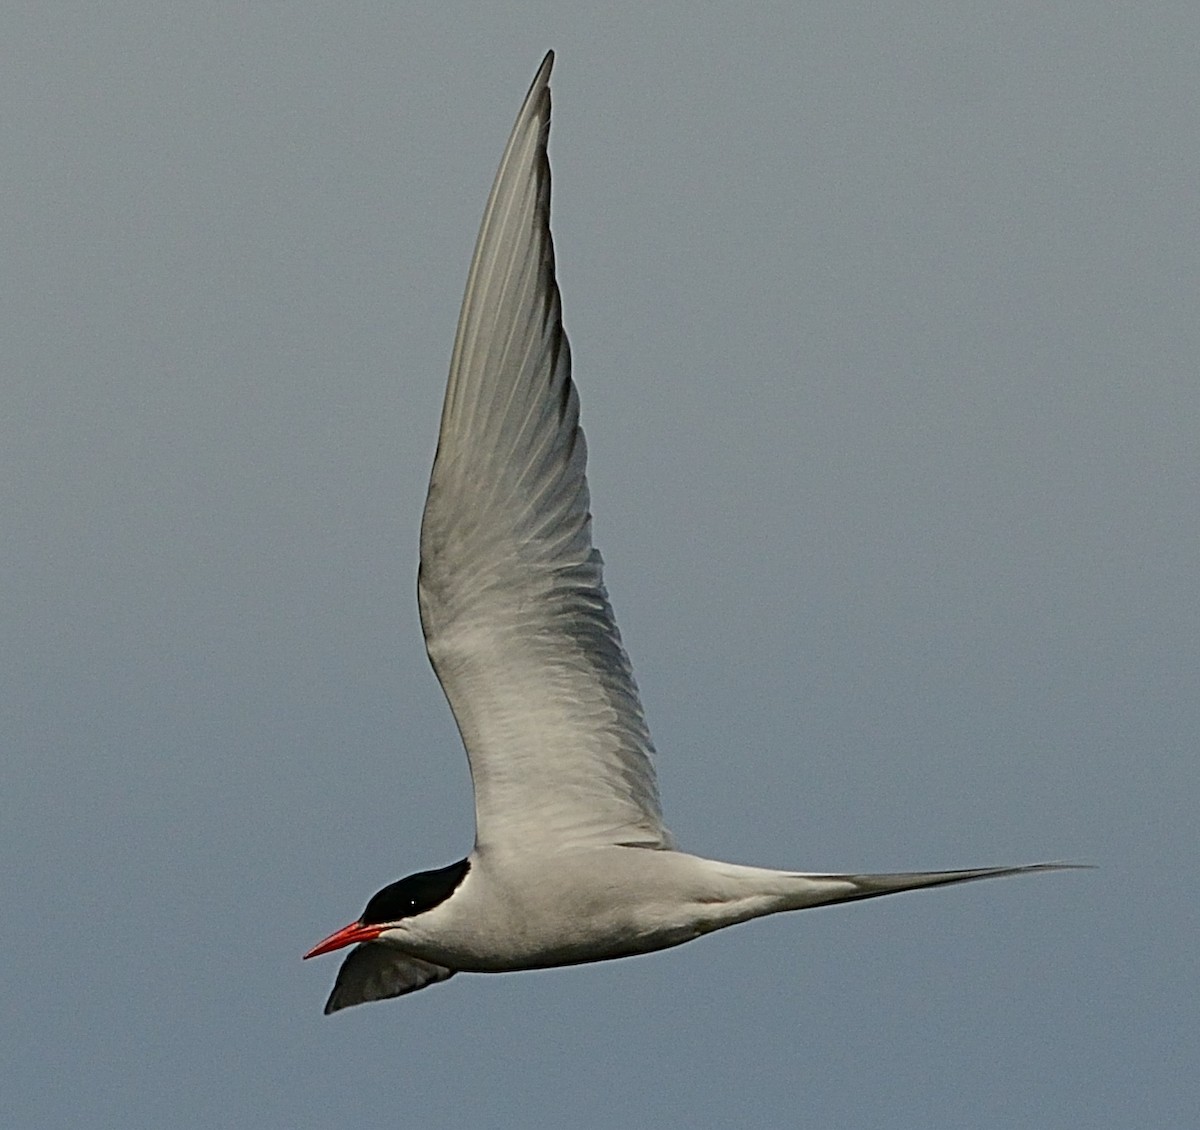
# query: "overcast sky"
885, 327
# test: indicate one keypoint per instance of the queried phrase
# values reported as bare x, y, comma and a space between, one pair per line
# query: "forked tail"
829, 889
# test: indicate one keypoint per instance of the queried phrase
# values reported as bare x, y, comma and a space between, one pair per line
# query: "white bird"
571, 861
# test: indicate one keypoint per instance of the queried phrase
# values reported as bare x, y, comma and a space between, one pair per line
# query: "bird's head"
390, 907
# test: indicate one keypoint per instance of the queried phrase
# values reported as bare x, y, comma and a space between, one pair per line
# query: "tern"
571, 861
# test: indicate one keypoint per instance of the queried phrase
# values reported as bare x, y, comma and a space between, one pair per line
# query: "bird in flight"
572, 862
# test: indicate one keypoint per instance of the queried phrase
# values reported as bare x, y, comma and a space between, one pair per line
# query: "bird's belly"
541, 943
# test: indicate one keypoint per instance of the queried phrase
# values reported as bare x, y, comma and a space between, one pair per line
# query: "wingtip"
542, 78
539, 88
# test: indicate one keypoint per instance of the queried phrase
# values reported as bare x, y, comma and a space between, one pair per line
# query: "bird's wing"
516, 618
375, 971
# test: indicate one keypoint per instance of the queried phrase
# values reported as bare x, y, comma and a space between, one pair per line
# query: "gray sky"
884, 320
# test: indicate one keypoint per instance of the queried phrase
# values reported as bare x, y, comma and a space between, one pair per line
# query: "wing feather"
374, 971
516, 617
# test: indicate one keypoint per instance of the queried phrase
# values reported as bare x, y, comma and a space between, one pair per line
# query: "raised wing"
517, 621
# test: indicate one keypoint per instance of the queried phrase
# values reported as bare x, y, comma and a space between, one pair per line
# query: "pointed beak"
346, 936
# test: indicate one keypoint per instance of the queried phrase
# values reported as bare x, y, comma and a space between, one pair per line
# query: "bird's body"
586, 904
572, 862
516, 910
